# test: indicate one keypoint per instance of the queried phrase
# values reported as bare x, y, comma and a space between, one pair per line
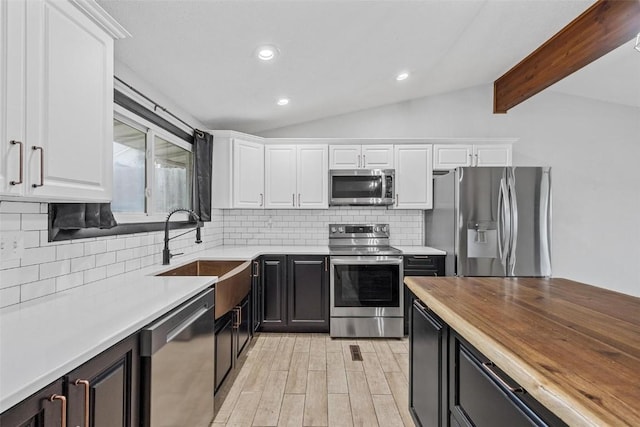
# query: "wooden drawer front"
426, 263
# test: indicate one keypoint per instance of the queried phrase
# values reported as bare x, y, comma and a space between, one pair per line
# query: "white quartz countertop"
44, 339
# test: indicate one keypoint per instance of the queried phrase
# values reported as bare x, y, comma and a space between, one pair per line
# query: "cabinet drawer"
427, 263
482, 395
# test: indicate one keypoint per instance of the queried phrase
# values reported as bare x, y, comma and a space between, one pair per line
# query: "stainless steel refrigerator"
493, 221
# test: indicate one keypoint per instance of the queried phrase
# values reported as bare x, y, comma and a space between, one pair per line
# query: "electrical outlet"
11, 245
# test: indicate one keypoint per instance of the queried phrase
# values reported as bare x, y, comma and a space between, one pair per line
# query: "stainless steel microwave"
362, 187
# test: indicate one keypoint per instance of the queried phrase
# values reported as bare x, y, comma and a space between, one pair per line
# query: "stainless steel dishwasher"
178, 366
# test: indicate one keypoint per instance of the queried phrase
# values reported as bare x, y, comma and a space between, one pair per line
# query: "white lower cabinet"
296, 176
451, 156
57, 65
414, 176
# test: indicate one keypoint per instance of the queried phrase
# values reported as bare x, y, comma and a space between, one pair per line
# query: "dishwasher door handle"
156, 335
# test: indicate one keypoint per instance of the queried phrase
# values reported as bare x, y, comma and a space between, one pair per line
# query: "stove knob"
376, 229
333, 229
340, 229
384, 228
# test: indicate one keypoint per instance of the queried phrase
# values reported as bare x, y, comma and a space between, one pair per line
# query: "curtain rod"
156, 106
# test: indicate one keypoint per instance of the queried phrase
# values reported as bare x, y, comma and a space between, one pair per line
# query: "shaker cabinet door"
69, 104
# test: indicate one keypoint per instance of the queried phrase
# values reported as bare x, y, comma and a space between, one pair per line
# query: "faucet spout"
166, 254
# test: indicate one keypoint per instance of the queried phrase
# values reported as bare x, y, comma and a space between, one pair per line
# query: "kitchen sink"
204, 268
233, 285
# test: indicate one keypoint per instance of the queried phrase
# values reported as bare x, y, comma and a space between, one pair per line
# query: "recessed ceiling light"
283, 101
266, 52
402, 76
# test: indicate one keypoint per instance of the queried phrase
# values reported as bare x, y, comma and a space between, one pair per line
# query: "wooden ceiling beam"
606, 25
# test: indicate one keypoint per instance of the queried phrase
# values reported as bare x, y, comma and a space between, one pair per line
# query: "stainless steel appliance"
361, 186
178, 365
492, 221
366, 294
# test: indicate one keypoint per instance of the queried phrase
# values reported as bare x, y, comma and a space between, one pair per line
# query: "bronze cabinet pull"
85, 383
257, 265
34, 148
12, 142
63, 403
326, 263
293, 199
487, 368
298, 199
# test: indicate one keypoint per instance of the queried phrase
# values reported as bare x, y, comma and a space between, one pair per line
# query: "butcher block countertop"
574, 347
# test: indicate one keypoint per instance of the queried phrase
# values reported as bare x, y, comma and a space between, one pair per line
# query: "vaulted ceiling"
339, 56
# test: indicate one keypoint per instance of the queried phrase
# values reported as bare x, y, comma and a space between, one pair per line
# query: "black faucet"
166, 255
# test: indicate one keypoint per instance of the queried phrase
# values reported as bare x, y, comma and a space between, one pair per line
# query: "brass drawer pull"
85, 383
63, 412
487, 367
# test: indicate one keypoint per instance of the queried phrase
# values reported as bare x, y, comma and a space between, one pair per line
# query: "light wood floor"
311, 380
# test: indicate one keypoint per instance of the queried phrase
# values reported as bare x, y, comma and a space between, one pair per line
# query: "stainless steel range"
366, 282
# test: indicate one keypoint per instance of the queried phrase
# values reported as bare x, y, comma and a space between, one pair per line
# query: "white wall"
593, 147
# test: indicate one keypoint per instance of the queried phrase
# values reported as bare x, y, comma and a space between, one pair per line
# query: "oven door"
366, 286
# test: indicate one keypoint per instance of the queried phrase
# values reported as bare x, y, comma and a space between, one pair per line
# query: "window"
152, 170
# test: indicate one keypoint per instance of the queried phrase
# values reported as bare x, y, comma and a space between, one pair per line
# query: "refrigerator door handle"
545, 224
513, 202
503, 219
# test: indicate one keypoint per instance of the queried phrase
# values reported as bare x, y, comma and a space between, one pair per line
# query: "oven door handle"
366, 261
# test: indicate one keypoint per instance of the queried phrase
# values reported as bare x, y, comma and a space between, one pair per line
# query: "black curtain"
74, 216
202, 162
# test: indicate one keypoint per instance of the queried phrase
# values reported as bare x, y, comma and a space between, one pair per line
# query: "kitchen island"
574, 347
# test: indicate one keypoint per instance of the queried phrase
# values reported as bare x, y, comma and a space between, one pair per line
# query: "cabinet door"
274, 293
427, 361
377, 156
414, 176
112, 386
492, 155
243, 326
248, 174
308, 293
312, 177
280, 177
223, 348
256, 295
12, 102
344, 157
37, 410
69, 104
451, 156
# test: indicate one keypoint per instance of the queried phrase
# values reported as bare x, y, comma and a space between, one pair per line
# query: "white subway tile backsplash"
69, 281
94, 274
17, 276
31, 239
134, 264
83, 263
19, 207
34, 221
9, 221
39, 255
73, 250
91, 248
54, 269
105, 258
37, 289
9, 296
115, 269
115, 245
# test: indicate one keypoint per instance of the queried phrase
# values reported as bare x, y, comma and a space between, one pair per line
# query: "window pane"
129, 146
172, 186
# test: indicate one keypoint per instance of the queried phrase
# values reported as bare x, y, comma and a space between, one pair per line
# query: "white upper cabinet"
413, 179
61, 80
451, 156
373, 156
492, 155
296, 176
248, 174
